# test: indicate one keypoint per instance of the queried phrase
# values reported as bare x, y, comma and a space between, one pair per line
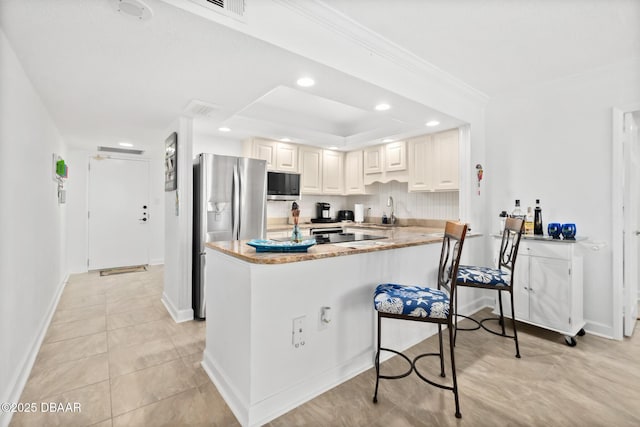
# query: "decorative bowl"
276, 246
554, 229
569, 231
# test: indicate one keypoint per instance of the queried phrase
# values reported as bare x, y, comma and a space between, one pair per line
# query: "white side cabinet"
548, 287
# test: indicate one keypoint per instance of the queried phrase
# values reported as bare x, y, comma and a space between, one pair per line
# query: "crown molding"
344, 26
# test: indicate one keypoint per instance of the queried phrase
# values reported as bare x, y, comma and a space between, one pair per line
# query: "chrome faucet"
392, 218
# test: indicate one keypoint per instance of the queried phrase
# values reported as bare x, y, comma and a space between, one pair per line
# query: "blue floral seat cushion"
413, 301
470, 274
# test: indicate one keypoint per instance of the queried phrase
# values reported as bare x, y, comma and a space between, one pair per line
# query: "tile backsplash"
407, 205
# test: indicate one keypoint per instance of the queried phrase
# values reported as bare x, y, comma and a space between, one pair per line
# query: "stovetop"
344, 237
324, 220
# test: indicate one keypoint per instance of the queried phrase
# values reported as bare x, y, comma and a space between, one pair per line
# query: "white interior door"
118, 212
631, 221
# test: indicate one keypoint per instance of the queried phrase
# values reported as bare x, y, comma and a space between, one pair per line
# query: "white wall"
553, 142
208, 139
178, 229
77, 206
32, 225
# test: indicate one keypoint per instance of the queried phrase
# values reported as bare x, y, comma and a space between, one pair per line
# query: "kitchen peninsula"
268, 346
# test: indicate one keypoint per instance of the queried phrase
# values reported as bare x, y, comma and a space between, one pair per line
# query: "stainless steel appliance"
322, 238
345, 215
283, 186
229, 203
323, 213
323, 210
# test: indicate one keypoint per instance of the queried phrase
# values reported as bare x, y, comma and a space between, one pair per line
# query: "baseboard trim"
238, 406
178, 316
599, 329
276, 405
158, 261
22, 375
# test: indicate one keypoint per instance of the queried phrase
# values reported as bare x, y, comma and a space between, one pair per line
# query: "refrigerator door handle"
235, 215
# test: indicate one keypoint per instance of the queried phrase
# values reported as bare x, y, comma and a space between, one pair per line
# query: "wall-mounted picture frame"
171, 162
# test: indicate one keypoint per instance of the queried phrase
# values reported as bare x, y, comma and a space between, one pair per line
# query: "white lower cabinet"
548, 287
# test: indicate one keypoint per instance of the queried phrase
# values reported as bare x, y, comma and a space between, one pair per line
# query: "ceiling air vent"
232, 8
197, 108
120, 150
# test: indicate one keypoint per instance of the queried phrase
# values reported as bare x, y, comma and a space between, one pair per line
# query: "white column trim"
617, 216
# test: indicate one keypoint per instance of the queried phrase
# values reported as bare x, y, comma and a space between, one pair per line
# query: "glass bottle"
528, 222
537, 221
517, 212
296, 235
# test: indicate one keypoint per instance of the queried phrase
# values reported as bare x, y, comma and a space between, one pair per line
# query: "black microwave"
283, 186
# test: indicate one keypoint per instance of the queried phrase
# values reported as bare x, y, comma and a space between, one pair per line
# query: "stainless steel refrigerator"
229, 203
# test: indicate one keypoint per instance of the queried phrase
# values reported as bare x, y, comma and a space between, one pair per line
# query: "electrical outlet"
298, 332
324, 318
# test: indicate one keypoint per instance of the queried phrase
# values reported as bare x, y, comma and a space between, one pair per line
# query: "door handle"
142, 219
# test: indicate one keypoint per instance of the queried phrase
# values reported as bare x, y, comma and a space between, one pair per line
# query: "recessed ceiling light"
285, 140
224, 129
305, 82
432, 123
382, 107
333, 147
387, 140
125, 144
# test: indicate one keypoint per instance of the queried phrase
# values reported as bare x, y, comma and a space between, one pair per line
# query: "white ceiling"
106, 77
501, 45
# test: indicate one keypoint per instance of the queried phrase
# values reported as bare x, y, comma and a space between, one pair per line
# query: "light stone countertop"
397, 237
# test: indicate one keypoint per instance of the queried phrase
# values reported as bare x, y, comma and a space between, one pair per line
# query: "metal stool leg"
453, 370
441, 350
515, 332
501, 313
377, 363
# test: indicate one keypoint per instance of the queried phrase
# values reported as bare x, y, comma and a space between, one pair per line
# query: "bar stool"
423, 304
499, 279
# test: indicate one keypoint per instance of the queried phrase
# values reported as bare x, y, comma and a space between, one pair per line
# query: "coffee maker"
323, 212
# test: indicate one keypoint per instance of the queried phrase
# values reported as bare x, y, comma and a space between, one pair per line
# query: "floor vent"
122, 270
120, 150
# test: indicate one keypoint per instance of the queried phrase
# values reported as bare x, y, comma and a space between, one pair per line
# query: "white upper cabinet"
446, 166
278, 155
384, 163
353, 173
311, 170
420, 174
433, 162
286, 157
373, 159
265, 150
332, 172
395, 158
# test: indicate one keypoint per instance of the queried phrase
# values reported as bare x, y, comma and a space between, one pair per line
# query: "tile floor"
113, 348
